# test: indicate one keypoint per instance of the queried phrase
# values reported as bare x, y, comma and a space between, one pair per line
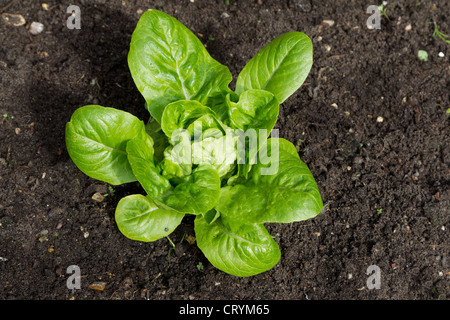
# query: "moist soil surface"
371, 121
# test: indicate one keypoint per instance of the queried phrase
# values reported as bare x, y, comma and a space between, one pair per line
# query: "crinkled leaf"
279, 189
197, 194
183, 120
211, 216
177, 162
255, 109
169, 63
237, 248
160, 141
218, 151
254, 113
139, 218
180, 115
96, 139
280, 67
140, 157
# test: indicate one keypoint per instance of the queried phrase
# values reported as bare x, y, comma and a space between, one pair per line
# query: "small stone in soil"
36, 28
98, 197
16, 20
99, 286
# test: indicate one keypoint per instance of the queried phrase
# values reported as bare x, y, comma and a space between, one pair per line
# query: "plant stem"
170, 249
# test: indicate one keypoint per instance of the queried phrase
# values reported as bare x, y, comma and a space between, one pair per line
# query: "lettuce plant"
206, 149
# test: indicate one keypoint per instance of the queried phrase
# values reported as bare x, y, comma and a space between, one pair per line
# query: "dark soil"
385, 184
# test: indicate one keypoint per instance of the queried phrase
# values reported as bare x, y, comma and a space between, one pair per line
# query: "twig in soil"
315, 91
7, 6
156, 277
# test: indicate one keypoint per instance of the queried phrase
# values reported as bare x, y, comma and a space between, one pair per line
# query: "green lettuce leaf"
96, 139
255, 109
237, 248
280, 188
177, 162
169, 63
218, 151
183, 115
281, 67
197, 194
140, 157
139, 218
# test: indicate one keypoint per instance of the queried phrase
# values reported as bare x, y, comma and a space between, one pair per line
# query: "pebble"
43, 236
36, 28
441, 54
99, 286
98, 197
329, 23
408, 27
12, 19
380, 119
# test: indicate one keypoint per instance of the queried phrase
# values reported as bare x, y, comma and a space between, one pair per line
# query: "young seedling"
188, 156
422, 55
440, 35
382, 8
173, 247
